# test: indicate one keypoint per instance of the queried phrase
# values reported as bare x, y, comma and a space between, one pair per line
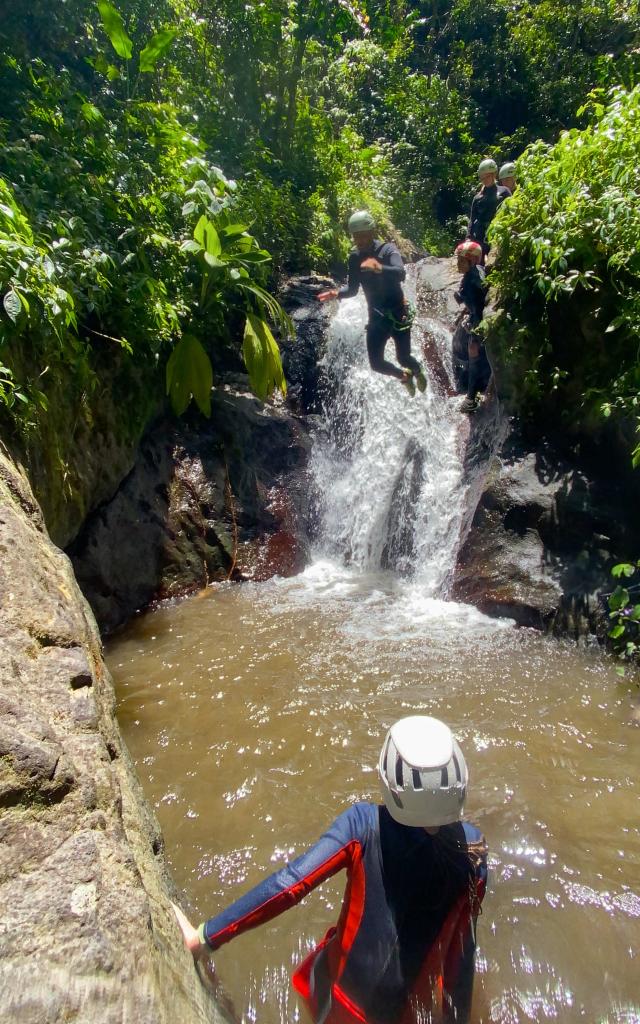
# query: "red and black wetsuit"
386, 302
406, 933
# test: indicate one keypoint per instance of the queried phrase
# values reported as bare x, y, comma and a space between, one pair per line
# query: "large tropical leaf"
206, 234
262, 358
156, 48
271, 306
189, 373
114, 27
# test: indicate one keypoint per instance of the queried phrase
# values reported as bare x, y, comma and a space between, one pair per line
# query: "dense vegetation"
568, 274
156, 155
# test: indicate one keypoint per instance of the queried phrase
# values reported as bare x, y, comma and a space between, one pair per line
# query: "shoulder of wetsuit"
472, 832
385, 248
479, 274
504, 192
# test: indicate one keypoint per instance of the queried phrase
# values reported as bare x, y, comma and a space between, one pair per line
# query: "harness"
404, 324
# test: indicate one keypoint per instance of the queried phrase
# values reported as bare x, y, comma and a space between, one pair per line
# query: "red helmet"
470, 250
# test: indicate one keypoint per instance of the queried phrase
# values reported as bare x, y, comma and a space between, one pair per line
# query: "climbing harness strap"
404, 324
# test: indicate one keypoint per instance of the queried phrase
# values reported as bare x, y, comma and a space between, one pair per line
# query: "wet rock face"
542, 542
205, 501
301, 356
87, 930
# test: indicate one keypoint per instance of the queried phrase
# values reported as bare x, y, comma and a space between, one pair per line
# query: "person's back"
415, 882
416, 876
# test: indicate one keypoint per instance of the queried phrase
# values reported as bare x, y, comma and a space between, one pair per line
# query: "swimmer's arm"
338, 848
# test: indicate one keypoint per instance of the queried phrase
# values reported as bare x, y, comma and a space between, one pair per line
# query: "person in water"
485, 204
378, 267
404, 945
472, 295
507, 177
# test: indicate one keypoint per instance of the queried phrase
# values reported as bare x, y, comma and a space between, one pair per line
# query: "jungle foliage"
568, 273
125, 124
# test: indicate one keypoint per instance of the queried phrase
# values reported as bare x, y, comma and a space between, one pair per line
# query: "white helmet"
423, 774
507, 170
488, 166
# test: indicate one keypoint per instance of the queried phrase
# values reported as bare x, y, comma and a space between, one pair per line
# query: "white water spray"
388, 467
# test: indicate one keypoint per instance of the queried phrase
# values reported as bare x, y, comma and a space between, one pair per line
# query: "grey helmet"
487, 167
423, 774
361, 220
507, 170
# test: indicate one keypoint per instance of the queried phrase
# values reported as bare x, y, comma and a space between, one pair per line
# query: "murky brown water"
255, 713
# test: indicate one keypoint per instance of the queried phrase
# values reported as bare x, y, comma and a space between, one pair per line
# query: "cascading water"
387, 467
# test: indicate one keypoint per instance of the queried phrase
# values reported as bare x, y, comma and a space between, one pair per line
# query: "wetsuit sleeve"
338, 848
395, 267
353, 278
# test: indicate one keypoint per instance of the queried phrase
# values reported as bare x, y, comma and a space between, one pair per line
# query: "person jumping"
378, 267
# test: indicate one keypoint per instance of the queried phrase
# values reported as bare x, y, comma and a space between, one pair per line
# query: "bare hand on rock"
190, 935
332, 293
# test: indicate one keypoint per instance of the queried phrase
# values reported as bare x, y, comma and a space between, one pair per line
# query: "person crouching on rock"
472, 294
378, 267
404, 945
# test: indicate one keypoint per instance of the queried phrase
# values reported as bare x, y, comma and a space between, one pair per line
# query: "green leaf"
114, 27
188, 374
619, 599
91, 113
156, 48
213, 261
262, 358
206, 234
616, 632
12, 305
230, 230
623, 569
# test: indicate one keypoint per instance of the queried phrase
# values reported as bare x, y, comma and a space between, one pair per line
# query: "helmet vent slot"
417, 780
458, 772
399, 773
444, 778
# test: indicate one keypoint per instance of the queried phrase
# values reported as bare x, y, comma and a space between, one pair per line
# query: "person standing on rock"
378, 267
472, 295
404, 945
485, 204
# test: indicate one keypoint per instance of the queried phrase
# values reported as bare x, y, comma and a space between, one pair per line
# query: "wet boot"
421, 380
470, 403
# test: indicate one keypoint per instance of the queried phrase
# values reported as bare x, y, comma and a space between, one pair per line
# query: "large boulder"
542, 541
87, 932
206, 500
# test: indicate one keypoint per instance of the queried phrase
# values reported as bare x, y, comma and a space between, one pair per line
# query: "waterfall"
388, 467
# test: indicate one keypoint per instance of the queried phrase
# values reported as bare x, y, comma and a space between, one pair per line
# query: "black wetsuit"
472, 372
387, 305
483, 210
472, 294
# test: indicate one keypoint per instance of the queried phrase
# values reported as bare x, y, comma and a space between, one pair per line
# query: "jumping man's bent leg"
402, 341
377, 336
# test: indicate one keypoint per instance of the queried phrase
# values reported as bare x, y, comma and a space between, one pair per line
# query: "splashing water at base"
255, 714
